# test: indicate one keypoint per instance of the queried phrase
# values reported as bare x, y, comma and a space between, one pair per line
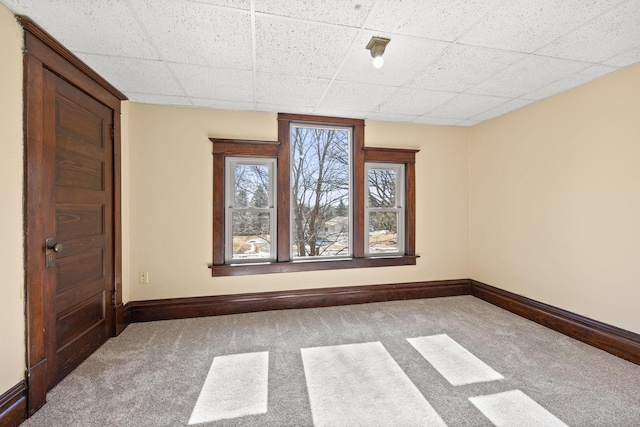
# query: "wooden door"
72, 195
77, 226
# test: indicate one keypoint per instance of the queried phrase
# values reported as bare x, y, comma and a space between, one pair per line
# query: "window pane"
251, 186
251, 238
383, 232
382, 188
320, 178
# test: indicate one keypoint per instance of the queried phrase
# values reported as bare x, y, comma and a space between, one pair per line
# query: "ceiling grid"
449, 62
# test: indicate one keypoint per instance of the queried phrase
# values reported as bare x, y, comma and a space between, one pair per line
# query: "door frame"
41, 51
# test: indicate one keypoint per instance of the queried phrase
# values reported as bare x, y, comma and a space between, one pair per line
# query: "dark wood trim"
32, 28
315, 265
13, 405
118, 319
238, 147
120, 323
325, 120
219, 211
122, 317
180, 308
48, 210
280, 149
391, 155
358, 190
221, 149
284, 191
617, 341
408, 158
43, 55
34, 265
410, 209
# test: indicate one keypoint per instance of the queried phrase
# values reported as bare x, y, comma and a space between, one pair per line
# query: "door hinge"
113, 132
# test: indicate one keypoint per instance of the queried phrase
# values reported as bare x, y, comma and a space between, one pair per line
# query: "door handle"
55, 247
51, 247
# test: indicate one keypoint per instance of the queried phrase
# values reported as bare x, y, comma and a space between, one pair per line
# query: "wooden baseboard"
620, 342
180, 308
122, 318
13, 405
614, 340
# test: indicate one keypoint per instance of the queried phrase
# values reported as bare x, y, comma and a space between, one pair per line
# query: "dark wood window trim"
280, 150
408, 158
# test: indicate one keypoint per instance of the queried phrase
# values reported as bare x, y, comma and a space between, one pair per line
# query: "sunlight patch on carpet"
514, 408
361, 385
453, 361
236, 386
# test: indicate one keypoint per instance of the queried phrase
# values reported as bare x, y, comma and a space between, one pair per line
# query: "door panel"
72, 150
77, 271
74, 221
78, 171
79, 216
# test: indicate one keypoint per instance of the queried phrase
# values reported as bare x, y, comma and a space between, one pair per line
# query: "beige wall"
543, 202
555, 200
170, 216
12, 348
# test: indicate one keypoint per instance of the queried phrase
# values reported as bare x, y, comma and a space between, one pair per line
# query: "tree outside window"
320, 183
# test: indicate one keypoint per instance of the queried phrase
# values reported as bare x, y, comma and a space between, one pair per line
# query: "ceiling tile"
571, 81
215, 83
238, 4
145, 98
347, 13
289, 90
134, 75
413, 101
80, 26
222, 104
439, 121
331, 112
286, 46
355, 96
280, 108
464, 106
461, 67
525, 25
532, 73
610, 34
385, 117
507, 107
436, 19
624, 59
197, 33
309, 57
403, 56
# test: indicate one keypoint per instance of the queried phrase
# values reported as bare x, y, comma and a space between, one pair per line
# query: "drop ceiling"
449, 62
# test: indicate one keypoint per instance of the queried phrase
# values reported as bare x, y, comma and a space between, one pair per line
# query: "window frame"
230, 208
351, 184
399, 208
280, 149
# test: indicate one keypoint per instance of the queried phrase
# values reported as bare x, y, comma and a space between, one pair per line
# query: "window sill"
311, 265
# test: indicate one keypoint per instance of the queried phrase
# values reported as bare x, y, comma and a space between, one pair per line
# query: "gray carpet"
152, 374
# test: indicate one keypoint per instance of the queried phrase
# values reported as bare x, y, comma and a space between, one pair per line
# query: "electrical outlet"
144, 277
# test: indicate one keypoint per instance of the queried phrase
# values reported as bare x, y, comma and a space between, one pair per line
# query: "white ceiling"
449, 62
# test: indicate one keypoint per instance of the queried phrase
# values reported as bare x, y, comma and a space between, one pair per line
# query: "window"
320, 191
250, 215
384, 209
316, 199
